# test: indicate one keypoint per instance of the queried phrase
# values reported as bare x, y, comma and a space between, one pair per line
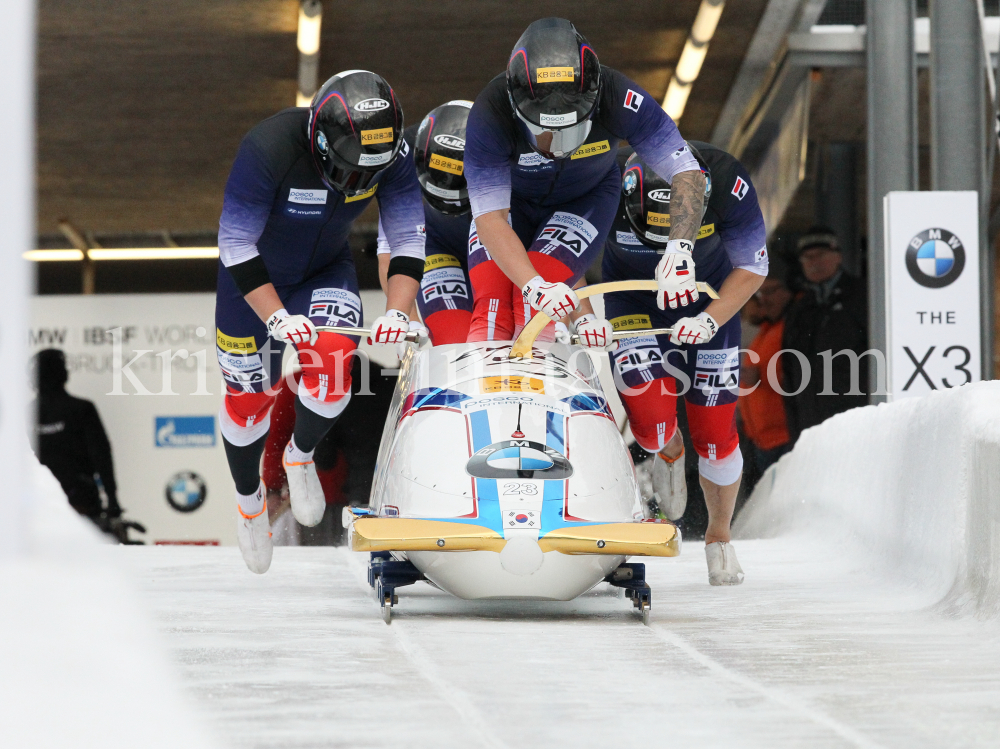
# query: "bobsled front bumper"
641, 538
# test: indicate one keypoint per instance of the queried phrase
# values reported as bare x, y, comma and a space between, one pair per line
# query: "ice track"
805, 653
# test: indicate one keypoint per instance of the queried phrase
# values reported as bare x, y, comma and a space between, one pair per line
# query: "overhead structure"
959, 128
310, 22
692, 58
892, 136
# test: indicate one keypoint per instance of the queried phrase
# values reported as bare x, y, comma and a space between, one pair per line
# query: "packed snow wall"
911, 490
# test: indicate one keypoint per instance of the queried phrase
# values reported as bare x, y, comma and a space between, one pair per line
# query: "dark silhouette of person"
71, 442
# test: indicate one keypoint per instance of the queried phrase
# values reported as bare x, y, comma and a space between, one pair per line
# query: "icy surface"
910, 489
810, 651
81, 665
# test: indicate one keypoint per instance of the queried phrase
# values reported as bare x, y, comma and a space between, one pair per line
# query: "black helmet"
647, 199
355, 130
438, 152
554, 83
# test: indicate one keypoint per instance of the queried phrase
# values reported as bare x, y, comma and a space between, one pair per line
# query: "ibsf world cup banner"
932, 291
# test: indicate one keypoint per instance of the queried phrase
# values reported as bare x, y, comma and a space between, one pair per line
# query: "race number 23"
952, 354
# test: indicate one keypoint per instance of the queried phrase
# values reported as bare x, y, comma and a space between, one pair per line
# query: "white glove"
675, 275
595, 332
415, 327
391, 327
554, 299
293, 329
694, 330
562, 334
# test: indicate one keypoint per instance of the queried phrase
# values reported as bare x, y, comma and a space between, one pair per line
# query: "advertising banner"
148, 363
932, 291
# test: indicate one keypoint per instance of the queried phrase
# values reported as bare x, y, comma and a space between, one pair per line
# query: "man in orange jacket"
763, 409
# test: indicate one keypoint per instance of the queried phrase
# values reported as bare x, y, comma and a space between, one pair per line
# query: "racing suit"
445, 296
281, 224
732, 235
560, 209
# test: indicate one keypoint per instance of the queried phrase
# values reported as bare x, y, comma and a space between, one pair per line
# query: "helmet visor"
350, 182
561, 143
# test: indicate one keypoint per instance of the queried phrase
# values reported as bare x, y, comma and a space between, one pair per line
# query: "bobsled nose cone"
521, 555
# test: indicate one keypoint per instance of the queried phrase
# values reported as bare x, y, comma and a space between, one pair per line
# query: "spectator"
763, 410
71, 442
830, 315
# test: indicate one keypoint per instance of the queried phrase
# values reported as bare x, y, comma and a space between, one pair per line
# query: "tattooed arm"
687, 195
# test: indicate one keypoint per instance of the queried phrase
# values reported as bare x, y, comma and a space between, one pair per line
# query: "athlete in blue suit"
702, 353
445, 298
299, 180
543, 183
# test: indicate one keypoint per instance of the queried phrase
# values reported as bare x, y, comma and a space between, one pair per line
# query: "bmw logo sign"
629, 184
186, 491
935, 258
321, 143
519, 458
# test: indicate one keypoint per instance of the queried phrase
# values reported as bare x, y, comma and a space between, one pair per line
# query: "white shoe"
254, 535
723, 567
670, 485
304, 491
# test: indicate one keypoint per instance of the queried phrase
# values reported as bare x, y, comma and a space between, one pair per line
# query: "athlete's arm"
401, 229
687, 196
635, 116
736, 291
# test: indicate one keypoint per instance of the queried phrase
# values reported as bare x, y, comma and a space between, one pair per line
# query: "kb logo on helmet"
662, 196
371, 105
450, 141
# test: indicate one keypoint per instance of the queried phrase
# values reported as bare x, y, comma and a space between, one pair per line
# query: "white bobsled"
502, 474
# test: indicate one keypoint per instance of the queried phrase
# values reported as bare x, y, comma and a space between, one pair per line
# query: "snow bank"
80, 665
910, 489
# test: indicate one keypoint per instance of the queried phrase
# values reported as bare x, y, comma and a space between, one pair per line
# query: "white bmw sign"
932, 291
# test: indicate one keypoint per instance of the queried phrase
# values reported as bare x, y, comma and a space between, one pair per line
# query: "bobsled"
502, 474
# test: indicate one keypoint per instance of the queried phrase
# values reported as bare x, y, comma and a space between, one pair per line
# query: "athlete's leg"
445, 298
247, 358
328, 299
492, 316
711, 412
644, 376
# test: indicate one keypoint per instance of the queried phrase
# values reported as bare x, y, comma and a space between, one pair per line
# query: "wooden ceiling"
141, 105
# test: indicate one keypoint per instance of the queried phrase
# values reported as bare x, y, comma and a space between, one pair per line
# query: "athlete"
299, 180
543, 182
445, 298
703, 349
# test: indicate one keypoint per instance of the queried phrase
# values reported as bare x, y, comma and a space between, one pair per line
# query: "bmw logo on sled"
502, 474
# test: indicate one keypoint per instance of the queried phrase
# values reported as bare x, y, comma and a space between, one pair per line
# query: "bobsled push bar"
411, 337
641, 538
522, 346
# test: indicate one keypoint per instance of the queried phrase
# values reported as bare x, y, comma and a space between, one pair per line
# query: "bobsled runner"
502, 474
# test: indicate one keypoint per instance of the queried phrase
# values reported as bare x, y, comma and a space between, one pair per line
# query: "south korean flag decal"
633, 100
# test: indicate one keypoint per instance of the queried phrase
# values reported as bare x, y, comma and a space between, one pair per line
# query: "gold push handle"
522, 346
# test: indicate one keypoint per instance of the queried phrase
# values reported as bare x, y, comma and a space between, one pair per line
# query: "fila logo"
633, 100
740, 188
681, 269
